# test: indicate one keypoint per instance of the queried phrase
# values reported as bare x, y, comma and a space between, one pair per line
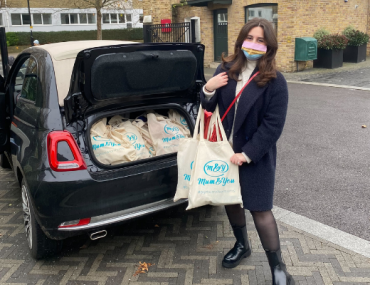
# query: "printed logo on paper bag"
216, 168
171, 130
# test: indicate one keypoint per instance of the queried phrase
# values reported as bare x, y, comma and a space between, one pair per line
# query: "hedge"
23, 38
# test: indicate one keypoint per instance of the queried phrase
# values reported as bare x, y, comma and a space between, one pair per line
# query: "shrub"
23, 38
356, 37
320, 33
334, 41
12, 39
348, 30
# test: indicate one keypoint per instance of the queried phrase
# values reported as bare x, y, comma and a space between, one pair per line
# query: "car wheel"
39, 244
4, 161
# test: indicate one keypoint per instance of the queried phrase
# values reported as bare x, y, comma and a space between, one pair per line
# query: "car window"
30, 83
20, 77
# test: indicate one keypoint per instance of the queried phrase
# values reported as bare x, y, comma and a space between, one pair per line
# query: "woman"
253, 126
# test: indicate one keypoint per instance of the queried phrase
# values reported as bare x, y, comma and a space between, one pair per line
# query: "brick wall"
206, 24
158, 9
297, 18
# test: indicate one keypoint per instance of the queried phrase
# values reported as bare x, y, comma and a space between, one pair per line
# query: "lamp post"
29, 13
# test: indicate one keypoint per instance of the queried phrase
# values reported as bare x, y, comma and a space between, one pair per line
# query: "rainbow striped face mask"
253, 51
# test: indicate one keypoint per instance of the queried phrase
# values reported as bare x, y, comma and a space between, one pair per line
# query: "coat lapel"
249, 96
227, 98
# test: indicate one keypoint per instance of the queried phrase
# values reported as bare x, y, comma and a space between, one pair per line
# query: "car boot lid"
125, 75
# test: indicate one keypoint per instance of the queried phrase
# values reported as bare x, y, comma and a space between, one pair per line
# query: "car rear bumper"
111, 198
125, 215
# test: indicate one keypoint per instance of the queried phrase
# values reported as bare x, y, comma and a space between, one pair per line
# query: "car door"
28, 102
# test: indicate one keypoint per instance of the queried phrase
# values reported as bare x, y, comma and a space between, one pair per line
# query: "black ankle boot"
240, 250
280, 276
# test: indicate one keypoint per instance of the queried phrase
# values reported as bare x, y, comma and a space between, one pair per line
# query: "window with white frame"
1, 19
141, 17
265, 11
20, 19
41, 19
122, 18
114, 18
77, 18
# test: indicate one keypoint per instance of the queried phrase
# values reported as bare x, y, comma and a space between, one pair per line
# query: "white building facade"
59, 19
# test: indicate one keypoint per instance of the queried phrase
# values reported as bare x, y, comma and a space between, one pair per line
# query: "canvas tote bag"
179, 120
214, 179
107, 149
143, 129
185, 159
124, 128
165, 134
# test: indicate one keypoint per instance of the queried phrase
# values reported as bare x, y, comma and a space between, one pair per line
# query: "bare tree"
104, 4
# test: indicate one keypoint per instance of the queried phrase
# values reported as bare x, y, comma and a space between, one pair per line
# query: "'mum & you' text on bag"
214, 179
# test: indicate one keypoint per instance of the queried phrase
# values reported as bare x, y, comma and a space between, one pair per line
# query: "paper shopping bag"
214, 179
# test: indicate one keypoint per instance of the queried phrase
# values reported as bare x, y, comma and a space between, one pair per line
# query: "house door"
220, 33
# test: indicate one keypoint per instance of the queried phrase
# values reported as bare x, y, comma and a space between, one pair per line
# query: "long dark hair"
266, 64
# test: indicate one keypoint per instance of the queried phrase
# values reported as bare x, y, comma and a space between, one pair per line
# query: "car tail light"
53, 139
75, 223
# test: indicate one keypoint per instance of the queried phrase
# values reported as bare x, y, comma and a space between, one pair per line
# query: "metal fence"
169, 33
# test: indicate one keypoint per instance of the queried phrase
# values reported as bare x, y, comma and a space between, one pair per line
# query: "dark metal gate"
220, 33
169, 33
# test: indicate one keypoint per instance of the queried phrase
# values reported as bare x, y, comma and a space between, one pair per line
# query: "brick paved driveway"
185, 248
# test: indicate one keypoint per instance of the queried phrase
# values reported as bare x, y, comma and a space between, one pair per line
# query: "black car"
53, 95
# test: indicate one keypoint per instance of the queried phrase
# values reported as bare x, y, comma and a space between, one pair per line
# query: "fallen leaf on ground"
364, 126
210, 246
143, 268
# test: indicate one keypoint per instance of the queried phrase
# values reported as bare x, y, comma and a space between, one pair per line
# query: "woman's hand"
238, 159
217, 81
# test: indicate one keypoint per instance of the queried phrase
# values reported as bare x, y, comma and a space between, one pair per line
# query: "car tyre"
39, 244
4, 161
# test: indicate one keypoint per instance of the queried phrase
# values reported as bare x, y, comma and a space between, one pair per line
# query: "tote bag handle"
213, 136
237, 96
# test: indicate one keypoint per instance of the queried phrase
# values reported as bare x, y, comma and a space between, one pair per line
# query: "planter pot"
355, 54
329, 58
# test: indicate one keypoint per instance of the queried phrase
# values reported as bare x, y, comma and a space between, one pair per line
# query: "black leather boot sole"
236, 262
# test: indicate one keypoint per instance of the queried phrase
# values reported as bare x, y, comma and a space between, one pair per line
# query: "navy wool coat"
259, 122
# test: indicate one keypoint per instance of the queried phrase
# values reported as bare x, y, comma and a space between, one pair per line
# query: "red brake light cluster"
76, 223
53, 139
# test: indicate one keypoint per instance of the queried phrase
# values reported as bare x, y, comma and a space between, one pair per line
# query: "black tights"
265, 224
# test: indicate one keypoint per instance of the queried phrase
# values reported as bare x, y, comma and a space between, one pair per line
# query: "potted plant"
330, 51
356, 48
